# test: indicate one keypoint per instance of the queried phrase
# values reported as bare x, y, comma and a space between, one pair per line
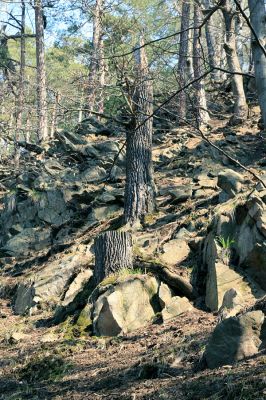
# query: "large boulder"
234, 339
222, 278
126, 306
27, 241
28, 218
234, 252
55, 282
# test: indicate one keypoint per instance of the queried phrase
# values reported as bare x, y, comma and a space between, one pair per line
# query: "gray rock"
220, 279
174, 252
125, 306
230, 181
102, 213
29, 240
180, 194
77, 286
234, 236
231, 305
165, 294
176, 306
108, 146
92, 175
234, 339
52, 208
51, 283
117, 174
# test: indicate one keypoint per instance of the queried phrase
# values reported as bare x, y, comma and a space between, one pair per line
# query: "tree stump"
113, 251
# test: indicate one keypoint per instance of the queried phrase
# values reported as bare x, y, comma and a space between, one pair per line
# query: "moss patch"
48, 368
74, 329
120, 275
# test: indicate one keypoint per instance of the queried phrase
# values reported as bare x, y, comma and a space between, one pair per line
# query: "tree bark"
96, 75
202, 114
140, 189
113, 251
211, 43
22, 67
182, 60
258, 22
54, 114
240, 104
42, 130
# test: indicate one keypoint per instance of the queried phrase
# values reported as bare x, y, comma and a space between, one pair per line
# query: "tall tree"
211, 43
240, 103
96, 74
257, 18
42, 130
182, 59
22, 67
202, 114
140, 189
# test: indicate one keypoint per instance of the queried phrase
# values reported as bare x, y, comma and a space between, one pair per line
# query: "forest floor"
158, 362
162, 361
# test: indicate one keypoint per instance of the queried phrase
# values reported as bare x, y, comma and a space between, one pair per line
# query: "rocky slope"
199, 259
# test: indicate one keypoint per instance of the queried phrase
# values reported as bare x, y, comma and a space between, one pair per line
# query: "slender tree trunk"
101, 78
240, 104
240, 41
140, 189
28, 127
211, 43
258, 18
42, 130
113, 251
54, 114
182, 60
22, 67
94, 98
200, 94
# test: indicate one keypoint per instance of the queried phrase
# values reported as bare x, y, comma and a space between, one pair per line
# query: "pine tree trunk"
22, 67
202, 114
42, 130
182, 60
257, 18
240, 104
96, 75
140, 189
113, 251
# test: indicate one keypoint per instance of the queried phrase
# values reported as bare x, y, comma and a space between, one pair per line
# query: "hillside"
66, 193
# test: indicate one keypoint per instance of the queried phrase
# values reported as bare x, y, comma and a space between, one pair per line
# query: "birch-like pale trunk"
230, 46
210, 32
200, 102
258, 22
20, 103
42, 129
182, 60
96, 74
